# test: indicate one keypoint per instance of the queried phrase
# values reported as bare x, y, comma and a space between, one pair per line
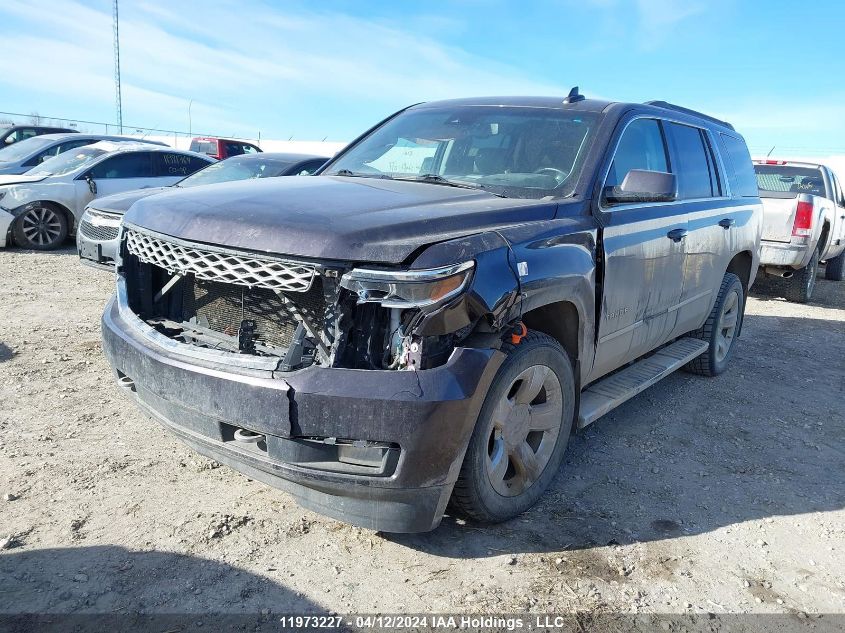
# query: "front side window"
641, 147
511, 151
695, 179
125, 165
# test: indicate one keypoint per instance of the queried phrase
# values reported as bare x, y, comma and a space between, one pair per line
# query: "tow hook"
248, 437
519, 333
125, 382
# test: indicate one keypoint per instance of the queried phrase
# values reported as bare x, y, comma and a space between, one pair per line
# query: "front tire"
799, 287
834, 269
41, 227
720, 329
521, 434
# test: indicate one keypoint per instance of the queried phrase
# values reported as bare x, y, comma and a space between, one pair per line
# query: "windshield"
67, 161
24, 149
511, 151
787, 181
237, 168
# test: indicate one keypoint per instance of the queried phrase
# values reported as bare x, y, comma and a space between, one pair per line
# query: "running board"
608, 393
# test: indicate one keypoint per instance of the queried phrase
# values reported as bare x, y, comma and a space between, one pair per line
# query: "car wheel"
721, 329
41, 227
799, 287
834, 269
521, 433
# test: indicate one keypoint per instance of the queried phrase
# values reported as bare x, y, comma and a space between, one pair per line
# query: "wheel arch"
740, 266
58, 206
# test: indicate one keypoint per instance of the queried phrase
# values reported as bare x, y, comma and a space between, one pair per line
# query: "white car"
40, 208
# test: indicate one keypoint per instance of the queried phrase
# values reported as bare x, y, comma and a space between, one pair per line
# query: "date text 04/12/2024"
444, 622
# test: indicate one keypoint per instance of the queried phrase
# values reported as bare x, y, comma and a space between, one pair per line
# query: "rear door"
711, 219
837, 230
643, 268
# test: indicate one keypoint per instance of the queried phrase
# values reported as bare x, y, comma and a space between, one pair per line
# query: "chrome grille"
97, 232
224, 266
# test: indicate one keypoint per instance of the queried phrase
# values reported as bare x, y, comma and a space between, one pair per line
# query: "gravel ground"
722, 495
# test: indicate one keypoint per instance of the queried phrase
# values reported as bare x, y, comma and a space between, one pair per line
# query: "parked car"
28, 154
97, 237
427, 319
10, 134
40, 208
803, 223
221, 148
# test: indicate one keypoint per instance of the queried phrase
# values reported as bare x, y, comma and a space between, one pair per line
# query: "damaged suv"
425, 322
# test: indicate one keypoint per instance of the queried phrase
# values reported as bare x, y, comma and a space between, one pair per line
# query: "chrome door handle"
727, 223
676, 235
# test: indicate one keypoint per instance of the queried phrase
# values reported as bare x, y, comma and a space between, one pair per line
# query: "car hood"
120, 202
330, 217
22, 179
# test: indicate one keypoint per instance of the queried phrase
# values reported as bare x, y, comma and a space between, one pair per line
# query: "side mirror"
9, 140
641, 185
92, 185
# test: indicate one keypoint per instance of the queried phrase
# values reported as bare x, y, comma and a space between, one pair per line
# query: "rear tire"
41, 227
799, 287
834, 269
720, 329
521, 433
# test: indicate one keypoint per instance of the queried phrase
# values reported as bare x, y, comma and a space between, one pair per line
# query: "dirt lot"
701, 495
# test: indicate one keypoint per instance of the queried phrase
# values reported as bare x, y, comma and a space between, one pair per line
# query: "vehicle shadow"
109, 588
692, 454
827, 294
6, 353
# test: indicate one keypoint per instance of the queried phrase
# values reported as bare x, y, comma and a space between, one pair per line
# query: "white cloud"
230, 58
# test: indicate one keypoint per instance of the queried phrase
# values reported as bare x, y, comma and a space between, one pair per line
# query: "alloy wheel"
525, 427
728, 321
41, 226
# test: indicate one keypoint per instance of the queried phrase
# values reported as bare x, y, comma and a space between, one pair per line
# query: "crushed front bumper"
415, 425
97, 239
6, 220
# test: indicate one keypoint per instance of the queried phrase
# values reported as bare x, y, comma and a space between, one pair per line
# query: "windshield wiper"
437, 179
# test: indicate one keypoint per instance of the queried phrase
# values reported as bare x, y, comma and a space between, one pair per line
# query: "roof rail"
671, 106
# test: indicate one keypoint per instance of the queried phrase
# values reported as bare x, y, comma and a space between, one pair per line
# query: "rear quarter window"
739, 166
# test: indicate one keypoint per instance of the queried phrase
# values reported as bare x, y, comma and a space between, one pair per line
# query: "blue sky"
311, 70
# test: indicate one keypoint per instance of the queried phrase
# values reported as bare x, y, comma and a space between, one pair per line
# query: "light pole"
190, 103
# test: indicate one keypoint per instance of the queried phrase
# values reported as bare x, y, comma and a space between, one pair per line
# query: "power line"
133, 127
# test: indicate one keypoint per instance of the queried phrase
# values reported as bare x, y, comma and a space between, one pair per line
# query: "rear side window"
739, 167
693, 165
234, 149
641, 147
168, 165
130, 165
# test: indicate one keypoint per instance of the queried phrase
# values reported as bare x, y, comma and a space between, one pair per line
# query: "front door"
122, 172
643, 249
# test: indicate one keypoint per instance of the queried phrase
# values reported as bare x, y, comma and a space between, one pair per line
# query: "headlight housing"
408, 288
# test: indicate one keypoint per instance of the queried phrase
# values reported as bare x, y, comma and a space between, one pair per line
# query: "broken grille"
221, 307
223, 266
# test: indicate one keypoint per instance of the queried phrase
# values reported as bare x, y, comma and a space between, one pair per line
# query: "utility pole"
117, 99
190, 103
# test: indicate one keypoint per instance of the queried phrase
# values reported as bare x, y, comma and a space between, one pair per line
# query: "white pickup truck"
803, 224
